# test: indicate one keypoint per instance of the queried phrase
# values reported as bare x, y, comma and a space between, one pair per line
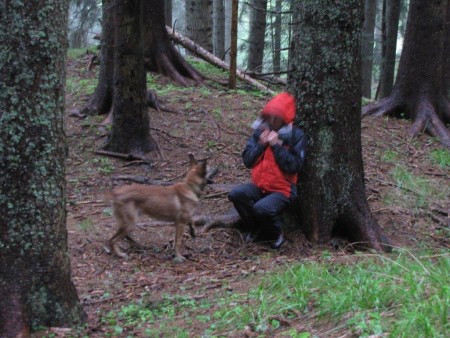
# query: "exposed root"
386, 106
427, 120
424, 115
446, 110
166, 67
172, 65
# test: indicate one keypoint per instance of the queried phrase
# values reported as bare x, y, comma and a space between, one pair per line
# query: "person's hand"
263, 138
272, 138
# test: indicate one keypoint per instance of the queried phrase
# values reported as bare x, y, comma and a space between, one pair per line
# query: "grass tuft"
402, 295
441, 157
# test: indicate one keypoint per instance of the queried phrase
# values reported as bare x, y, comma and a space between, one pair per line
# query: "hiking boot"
277, 243
251, 236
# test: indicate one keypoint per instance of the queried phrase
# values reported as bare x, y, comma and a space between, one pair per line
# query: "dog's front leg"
179, 258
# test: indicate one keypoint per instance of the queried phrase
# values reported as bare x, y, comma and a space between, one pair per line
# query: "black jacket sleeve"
253, 150
291, 158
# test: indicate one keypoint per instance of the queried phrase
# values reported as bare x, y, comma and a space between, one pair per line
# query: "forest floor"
407, 189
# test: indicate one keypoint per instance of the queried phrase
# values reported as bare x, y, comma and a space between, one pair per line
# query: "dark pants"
258, 210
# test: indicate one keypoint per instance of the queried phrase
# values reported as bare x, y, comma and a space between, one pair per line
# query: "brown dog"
175, 203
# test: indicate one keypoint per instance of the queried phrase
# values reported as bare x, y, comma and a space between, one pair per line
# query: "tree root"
424, 115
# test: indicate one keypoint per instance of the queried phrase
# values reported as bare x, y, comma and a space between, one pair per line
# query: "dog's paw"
179, 259
119, 253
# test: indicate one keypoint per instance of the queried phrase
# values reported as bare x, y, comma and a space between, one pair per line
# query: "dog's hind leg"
179, 231
125, 215
135, 243
113, 242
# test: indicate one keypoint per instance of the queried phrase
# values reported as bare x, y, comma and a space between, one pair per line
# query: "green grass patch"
103, 165
413, 191
77, 86
163, 89
206, 68
396, 295
402, 296
75, 53
390, 156
85, 225
441, 157
154, 318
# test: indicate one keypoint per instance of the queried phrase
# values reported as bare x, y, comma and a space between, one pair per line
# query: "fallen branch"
128, 157
229, 220
205, 55
141, 180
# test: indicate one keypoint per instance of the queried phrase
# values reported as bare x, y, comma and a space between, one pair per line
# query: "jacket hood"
282, 105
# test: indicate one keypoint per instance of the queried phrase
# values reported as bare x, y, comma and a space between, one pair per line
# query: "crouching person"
275, 154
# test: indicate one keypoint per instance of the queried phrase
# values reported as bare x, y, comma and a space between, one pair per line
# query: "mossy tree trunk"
419, 90
35, 277
325, 78
130, 131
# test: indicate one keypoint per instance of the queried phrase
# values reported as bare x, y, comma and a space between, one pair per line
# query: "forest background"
332, 292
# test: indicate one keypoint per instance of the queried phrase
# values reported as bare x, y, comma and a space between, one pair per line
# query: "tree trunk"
130, 131
257, 35
101, 101
276, 63
35, 278
446, 61
160, 55
382, 43
418, 90
390, 41
199, 23
370, 10
377, 45
168, 12
326, 82
219, 29
228, 15
233, 48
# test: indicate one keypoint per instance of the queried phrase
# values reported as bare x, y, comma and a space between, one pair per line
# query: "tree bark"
446, 61
228, 22
35, 277
233, 44
418, 90
390, 41
257, 33
276, 62
326, 82
199, 22
219, 29
101, 101
130, 131
370, 10
168, 12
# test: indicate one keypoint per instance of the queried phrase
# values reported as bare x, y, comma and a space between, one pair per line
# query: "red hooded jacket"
275, 168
